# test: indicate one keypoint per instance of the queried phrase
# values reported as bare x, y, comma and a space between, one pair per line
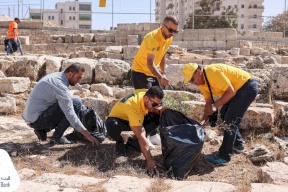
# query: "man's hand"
164, 81
151, 166
89, 137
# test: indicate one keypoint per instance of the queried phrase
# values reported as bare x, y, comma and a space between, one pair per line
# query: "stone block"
191, 35
129, 52
115, 56
258, 118
209, 44
245, 51
133, 40
14, 84
207, 34
232, 44
231, 34
220, 34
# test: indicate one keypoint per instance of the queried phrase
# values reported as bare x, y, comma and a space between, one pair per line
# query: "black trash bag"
14, 46
182, 140
93, 123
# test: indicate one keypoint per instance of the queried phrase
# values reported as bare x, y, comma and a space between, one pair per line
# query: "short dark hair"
15, 19
171, 18
155, 91
74, 68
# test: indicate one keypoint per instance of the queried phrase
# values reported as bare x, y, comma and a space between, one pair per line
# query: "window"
61, 22
61, 10
242, 26
242, 15
35, 16
84, 7
52, 17
74, 18
255, 5
254, 26
49, 17
70, 18
85, 26
70, 8
73, 8
85, 17
242, 6
255, 16
235, 6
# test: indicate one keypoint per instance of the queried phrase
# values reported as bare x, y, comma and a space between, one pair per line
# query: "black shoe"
61, 140
41, 134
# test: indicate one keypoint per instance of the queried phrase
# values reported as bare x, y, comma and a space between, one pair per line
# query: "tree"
204, 17
276, 24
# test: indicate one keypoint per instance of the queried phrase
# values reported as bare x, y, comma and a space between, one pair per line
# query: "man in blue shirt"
50, 106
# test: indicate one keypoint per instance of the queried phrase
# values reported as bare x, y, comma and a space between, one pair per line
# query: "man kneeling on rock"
128, 114
50, 106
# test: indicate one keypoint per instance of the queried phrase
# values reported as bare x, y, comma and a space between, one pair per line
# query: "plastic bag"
182, 140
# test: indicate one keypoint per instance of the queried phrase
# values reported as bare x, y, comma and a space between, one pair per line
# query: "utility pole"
284, 19
18, 9
193, 20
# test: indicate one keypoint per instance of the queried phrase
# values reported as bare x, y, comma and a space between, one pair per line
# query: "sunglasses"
170, 30
154, 104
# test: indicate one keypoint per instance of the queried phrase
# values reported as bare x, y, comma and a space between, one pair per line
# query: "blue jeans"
18, 43
54, 118
232, 113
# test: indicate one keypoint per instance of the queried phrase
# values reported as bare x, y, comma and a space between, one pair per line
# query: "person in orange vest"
13, 36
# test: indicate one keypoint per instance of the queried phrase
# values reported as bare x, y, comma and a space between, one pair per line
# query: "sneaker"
62, 140
155, 139
238, 149
216, 160
41, 134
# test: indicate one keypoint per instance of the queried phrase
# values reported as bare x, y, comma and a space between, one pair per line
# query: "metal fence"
116, 11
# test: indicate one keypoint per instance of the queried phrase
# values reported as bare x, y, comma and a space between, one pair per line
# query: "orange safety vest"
12, 30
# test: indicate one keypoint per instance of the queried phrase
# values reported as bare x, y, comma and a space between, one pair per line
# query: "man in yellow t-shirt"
237, 90
13, 36
151, 55
128, 114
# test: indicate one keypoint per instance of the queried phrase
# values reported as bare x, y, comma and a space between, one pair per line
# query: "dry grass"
80, 158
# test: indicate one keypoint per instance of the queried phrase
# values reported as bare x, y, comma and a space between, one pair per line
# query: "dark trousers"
115, 126
54, 118
232, 113
141, 81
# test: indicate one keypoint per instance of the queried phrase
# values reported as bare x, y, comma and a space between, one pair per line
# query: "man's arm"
140, 133
161, 77
89, 137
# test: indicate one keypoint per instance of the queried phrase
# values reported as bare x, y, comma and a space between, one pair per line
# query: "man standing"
237, 90
50, 106
13, 36
150, 56
128, 114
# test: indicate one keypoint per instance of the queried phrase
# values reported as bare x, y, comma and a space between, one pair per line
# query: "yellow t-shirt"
153, 43
131, 108
13, 25
220, 76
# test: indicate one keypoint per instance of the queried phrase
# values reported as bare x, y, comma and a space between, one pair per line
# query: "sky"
124, 11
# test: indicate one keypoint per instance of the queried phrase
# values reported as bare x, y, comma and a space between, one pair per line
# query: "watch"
213, 107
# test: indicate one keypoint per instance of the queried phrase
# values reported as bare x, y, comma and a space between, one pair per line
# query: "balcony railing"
255, 7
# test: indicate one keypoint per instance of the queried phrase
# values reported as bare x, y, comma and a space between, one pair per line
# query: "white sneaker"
151, 146
155, 139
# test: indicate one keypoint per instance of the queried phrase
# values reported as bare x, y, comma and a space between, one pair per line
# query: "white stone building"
70, 14
249, 13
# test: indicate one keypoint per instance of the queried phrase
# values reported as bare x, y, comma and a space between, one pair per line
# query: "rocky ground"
79, 167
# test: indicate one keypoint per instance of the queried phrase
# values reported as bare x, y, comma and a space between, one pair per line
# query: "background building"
70, 14
249, 12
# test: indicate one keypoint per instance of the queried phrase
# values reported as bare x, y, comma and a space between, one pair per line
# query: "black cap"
17, 19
